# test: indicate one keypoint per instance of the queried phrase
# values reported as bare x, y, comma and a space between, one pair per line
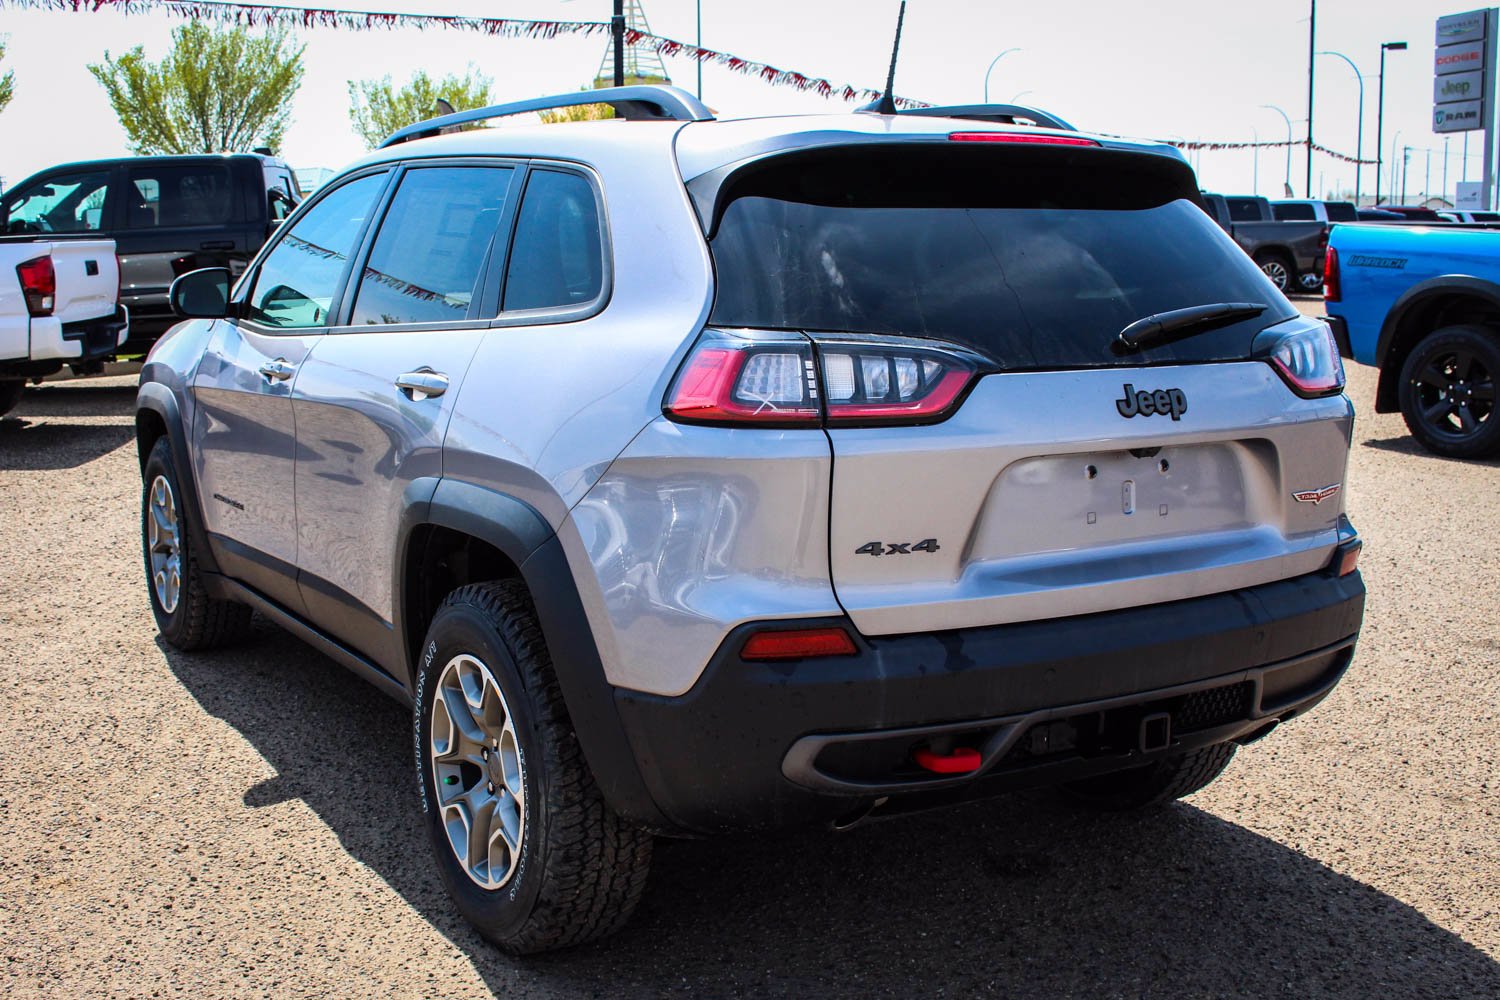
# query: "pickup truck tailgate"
88, 279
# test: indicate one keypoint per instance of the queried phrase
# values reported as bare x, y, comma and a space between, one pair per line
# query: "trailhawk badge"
1317, 496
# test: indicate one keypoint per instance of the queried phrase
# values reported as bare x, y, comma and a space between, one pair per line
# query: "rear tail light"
874, 383
751, 379
1035, 138
773, 379
798, 644
1332, 291
38, 284
1305, 356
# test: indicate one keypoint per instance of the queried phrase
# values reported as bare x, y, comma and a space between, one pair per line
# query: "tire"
1447, 392
1155, 784
1279, 269
187, 617
10, 395
567, 870
1309, 282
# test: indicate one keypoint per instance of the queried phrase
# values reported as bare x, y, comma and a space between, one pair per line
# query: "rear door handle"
217, 245
424, 383
277, 371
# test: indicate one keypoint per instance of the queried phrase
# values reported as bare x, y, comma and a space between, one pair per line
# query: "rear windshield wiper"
1177, 324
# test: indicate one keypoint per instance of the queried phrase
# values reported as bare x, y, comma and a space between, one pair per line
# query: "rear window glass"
178, 195
1034, 258
1244, 210
1342, 211
1294, 213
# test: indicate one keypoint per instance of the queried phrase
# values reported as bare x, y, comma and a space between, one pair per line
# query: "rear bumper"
1340, 330
769, 744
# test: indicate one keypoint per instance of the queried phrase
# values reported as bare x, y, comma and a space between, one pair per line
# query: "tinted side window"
1243, 209
1341, 211
557, 258
300, 276
178, 195
62, 203
431, 246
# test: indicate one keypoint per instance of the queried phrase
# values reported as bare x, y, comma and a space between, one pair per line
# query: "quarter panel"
693, 531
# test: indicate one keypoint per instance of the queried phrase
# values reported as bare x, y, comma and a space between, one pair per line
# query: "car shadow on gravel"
1019, 896
1406, 445
45, 432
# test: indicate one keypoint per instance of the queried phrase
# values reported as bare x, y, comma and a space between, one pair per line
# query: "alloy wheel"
164, 544
478, 774
1455, 393
1277, 272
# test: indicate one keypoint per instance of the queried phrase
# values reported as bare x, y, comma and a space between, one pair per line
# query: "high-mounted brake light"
1036, 138
1305, 356
38, 284
1332, 290
798, 644
776, 379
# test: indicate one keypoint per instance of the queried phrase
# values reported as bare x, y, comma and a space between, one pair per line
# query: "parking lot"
242, 824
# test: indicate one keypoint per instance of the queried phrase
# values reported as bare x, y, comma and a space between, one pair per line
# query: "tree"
377, 108
7, 82
217, 91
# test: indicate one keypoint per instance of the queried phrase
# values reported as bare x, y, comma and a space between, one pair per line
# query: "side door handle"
217, 245
277, 371
424, 383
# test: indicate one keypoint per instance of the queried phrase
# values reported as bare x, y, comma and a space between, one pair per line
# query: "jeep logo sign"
1457, 87
1148, 402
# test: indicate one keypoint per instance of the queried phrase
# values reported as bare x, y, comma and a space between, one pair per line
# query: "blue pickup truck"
1422, 304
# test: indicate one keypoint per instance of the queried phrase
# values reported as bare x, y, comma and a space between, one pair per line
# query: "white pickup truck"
59, 305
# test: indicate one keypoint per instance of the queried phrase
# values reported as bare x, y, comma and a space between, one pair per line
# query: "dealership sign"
1463, 71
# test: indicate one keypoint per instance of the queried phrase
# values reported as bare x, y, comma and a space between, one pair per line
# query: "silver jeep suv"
689, 476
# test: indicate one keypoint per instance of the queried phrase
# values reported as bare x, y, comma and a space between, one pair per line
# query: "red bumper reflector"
1039, 138
961, 760
1349, 557
797, 644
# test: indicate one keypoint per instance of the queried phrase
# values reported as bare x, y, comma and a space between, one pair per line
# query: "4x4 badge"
1317, 496
1150, 401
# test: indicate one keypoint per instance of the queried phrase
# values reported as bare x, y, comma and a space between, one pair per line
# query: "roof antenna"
886, 105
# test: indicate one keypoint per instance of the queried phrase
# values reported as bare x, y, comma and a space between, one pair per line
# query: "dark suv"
690, 476
168, 215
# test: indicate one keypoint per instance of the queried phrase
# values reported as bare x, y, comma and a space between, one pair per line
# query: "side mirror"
201, 294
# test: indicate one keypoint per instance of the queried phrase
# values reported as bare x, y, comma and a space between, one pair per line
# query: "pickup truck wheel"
1155, 784
1309, 282
10, 395
1447, 392
186, 616
1278, 269
524, 842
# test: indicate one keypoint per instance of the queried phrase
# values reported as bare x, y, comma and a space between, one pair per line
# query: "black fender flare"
157, 398
523, 536
1413, 298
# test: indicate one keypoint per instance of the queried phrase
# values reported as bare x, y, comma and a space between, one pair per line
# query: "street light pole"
1380, 113
1312, 36
1395, 141
617, 28
1287, 183
1359, 130
991, 69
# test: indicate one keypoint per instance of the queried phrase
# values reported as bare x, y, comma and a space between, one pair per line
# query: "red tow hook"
959, 760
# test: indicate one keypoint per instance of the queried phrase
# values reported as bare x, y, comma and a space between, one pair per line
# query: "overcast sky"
1168, 68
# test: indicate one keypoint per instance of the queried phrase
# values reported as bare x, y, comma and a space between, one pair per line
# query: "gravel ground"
241, 824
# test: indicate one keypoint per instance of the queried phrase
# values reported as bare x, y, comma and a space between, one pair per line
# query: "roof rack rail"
1005, 114
638, 103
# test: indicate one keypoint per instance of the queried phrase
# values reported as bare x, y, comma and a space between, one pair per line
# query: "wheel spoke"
1434, 376
1466, 421
1483, 392
1463, 365
1438, 412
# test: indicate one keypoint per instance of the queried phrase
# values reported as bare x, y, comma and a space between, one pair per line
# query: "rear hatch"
1066, 477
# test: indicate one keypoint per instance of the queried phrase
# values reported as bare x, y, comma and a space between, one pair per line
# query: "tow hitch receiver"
959, 760
1156, 732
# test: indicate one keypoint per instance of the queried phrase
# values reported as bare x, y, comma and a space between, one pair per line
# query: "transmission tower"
642, 64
